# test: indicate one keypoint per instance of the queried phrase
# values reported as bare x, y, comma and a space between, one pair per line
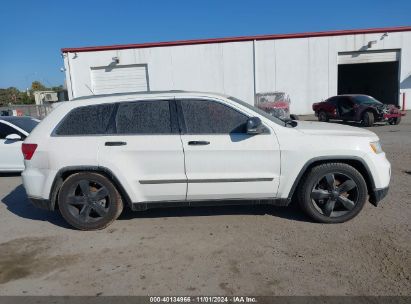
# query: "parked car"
359, 108
13, 130
91, 156
276, 104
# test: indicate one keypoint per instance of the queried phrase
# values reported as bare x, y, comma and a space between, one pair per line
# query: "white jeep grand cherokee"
92, 155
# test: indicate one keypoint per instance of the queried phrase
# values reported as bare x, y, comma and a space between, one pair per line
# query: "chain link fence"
36, 111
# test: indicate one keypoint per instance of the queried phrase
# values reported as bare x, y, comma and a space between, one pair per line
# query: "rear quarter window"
88, 120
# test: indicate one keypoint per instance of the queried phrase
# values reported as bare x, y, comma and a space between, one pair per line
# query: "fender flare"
365, 171
59, 179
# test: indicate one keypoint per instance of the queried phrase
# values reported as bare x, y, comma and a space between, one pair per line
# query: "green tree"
26, 98
9, 95
38, 86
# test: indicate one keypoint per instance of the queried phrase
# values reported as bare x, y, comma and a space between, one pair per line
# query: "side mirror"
254, 126
13, 137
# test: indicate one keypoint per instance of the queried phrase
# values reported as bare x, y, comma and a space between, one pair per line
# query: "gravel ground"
257, 250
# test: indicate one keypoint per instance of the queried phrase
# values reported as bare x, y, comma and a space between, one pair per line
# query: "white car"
91, 156
13, 130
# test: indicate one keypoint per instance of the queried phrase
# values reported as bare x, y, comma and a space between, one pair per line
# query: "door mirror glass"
254, 126
13, 137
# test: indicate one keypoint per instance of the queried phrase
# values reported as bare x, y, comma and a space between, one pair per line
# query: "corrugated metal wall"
304, 68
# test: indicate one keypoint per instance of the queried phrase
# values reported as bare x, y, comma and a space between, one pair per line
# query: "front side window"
88, 120
210, 117
144, 117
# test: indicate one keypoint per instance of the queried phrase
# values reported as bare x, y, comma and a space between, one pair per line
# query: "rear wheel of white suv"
89, 201
332, 193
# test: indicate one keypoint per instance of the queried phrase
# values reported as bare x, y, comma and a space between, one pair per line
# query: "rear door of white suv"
223, 161
143, 149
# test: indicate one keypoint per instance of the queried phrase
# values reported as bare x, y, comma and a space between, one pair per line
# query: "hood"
332, 129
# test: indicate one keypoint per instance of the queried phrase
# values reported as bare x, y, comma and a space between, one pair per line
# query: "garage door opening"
374, 73
379, 80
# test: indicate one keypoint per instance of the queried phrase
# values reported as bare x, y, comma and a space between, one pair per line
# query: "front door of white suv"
144, 151
222, 160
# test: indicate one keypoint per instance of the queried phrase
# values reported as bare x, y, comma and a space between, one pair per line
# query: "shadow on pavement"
18, 203
292, 212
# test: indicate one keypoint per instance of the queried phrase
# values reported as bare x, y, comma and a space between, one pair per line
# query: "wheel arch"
65, 172
370, 109
354, 161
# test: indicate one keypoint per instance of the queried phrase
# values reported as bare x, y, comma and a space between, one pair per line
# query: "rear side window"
144, 117
333, 100
6, 130
88, 120
210, 117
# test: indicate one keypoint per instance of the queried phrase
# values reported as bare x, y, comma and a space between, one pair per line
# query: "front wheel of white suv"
332, 193
89, 201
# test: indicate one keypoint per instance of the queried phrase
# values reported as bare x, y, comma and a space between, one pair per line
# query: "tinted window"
25, 123
210, 117
87, 120
144, 117
333, 100
364, 99
7, 130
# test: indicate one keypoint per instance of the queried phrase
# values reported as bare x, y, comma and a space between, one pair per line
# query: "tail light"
28, 150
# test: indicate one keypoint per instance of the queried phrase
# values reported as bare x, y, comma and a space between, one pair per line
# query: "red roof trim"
237, 39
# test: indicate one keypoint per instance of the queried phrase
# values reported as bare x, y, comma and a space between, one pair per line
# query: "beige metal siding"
368, 56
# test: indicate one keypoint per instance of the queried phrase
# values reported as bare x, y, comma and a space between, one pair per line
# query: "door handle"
115, 143
198, 143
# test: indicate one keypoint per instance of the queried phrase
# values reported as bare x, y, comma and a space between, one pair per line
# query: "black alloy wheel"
332, 193
89, 201
322, 116
394, 120
368, 119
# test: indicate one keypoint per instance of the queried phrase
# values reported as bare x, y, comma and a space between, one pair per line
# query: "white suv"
92, 155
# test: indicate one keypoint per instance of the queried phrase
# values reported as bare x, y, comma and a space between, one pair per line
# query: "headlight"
376, 147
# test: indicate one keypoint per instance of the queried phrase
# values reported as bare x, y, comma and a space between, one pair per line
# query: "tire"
294, 117
322, 116
394, 121
312, 185
368, 119
89, 201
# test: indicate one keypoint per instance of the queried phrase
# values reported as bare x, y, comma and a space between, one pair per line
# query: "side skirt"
283, 202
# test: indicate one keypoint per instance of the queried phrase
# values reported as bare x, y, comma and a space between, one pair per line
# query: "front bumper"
378, 195
393, 115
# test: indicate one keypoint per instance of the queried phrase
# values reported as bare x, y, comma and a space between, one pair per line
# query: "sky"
32, 33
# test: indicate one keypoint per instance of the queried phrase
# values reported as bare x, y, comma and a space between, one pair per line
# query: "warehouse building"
308, 67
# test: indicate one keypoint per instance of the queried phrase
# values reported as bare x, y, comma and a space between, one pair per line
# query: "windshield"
363, 99
259, 111
25, 123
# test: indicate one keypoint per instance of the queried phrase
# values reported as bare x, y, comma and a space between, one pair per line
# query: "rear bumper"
378, 195
41, 203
